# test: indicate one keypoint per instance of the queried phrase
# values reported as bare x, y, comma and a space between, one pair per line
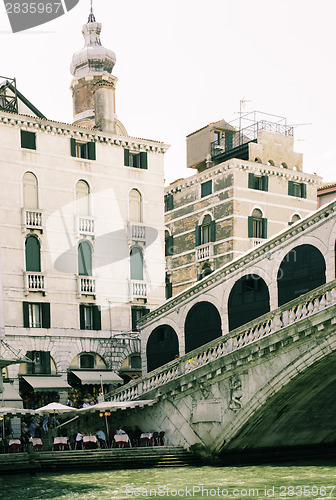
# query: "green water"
262, 482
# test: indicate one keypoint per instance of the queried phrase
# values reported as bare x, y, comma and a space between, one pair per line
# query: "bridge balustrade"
298, 309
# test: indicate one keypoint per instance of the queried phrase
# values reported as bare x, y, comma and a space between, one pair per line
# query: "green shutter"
206, 188
45, 362
29, 355
45, 315
169, 290
96, 318
213, 230
73, 147
28, 139
251, 181
264, 228
291, 188
91, 150
33, 258
143, 160
170, 202
265, 182
303, 190
250, 226
81, 317
126, 158
134, 319
170, 245
198, 234
25, 314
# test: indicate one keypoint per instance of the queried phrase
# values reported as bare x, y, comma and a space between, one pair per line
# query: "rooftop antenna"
242, 104
91, 16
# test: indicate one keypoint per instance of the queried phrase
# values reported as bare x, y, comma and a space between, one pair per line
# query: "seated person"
120, 431
101, 438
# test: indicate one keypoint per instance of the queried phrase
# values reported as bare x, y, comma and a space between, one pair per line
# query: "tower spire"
91, 18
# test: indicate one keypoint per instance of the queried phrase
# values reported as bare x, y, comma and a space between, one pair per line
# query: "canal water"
262, 482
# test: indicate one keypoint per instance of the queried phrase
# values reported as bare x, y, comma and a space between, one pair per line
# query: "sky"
182, 64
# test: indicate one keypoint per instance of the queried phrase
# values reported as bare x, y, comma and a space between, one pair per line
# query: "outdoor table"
89, 442
146, 438
61, 443
14, 444
37, 443
121, 440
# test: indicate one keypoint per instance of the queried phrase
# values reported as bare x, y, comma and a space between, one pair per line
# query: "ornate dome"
93, 58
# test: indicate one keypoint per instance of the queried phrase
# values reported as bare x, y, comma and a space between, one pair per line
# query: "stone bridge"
268, 383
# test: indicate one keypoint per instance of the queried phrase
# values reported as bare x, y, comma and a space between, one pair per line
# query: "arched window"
257, 160
86, 361
33, 254
295, 218
82, 198
30, 194
271, 163
248, 299
257, 225
84, 259
206, 229
162, 347
284, 165
136, 264
301, 270
203, 323
135, 206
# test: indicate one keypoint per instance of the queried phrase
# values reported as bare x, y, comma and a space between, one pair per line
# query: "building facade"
249, 186
81, 219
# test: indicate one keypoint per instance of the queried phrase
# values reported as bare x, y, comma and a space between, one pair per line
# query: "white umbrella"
4, 410
54, 408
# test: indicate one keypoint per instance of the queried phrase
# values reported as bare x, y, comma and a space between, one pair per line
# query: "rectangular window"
259, 182
206, 188
298, 189
217, 137
28, 139
40, 365
89, 317
36, 315
84, 150
86, 361
135, 159
257, 227
168, 202
137, 314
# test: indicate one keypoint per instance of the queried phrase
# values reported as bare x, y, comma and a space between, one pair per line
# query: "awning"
42, 384
97, 377
115, 406
10, 397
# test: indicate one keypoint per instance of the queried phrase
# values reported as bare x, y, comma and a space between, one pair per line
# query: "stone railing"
32, 219
137, 232
204, 252
34, 282
86, 285
86, 225
256, 241
138, 289
264, 326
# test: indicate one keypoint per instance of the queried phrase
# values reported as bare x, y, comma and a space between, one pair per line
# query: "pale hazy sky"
182, 64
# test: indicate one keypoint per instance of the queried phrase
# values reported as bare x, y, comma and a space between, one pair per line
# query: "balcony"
204, 252
138, 289
34, 282
86, 285
85, 226
137, 232
256, 241
32, 219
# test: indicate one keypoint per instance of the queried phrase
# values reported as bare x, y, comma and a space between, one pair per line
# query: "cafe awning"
41, 384
10, 397
97, 377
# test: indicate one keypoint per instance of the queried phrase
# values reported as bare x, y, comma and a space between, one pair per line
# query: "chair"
161, 438
155, 439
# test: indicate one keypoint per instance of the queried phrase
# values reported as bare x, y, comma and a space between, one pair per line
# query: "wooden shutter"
169, 290
206, 188
25, 306
170, 202
303, 190
126, 158
250, 226
251, 181
143, 160
91, 150
73, 147
96, 317
198, 235
134, 319
81, 317
33, 257
170, 249
291, 188
264, 182
213, 230
264, 228
28, 139
45, 362
45, 315
30, 366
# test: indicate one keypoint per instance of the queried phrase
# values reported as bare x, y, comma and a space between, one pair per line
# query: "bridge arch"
302, 269
162, 347
249, 298
203, 324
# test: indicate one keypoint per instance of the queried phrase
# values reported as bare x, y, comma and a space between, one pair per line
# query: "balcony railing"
256, 241
86, 225
138, 289
204, 252
34, 282
137, 232
86, 285
32, 219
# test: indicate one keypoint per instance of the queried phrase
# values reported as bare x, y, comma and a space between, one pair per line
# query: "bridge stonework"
268, 383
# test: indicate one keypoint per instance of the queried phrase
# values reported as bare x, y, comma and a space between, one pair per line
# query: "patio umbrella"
54, 408
4, 410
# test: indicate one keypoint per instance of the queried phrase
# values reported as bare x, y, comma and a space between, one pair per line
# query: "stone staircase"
121, 458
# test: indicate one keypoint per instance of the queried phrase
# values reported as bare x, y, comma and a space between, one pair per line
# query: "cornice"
33, 124
251, 256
